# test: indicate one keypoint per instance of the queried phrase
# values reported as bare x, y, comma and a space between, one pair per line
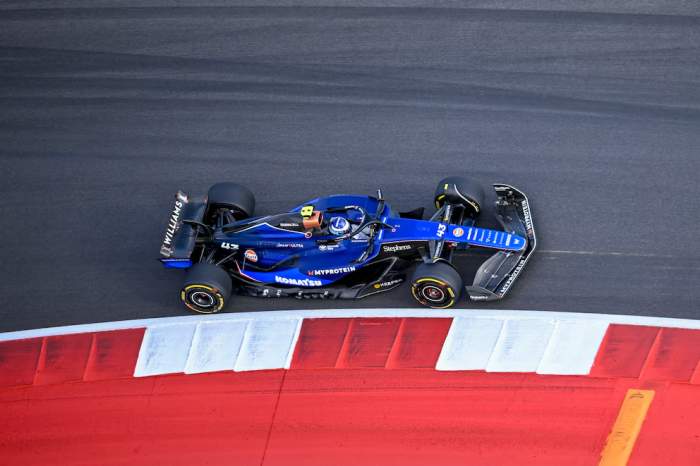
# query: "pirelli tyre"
207, 288
437, 285
235, 197
460, 191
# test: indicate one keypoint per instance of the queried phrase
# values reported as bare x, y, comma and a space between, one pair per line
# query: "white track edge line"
330, 313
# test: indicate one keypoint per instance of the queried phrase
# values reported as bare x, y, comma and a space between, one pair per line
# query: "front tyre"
207, 288
465, 192
437, 285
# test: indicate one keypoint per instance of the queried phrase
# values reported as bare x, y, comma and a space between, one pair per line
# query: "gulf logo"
250, 255
457, 232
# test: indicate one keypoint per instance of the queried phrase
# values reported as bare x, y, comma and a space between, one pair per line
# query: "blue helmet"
338, 225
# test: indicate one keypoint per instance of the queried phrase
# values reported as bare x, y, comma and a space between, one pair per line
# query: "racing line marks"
607, 253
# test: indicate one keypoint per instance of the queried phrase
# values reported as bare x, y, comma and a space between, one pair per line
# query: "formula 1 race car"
344, 246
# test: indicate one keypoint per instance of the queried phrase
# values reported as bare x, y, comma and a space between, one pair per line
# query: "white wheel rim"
433, 293
202, 299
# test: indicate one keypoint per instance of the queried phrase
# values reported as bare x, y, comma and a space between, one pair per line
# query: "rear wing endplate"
497, 274
181, 230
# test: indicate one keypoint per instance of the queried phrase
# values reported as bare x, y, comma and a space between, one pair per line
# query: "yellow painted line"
620, 442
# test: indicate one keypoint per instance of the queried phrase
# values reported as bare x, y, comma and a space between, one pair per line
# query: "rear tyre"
207, 288
232, 196
437, 285
460, 191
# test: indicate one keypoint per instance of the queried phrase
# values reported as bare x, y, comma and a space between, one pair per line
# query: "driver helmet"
338, 225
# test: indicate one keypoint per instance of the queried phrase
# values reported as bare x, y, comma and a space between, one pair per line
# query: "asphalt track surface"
107, 108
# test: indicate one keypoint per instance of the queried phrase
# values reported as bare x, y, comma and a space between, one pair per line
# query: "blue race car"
344, 246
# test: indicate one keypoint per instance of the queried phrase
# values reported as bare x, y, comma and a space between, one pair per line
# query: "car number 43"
230, 246
441, 230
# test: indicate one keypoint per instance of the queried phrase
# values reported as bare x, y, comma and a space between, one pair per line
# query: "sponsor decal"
328, 247
513, 275
387, 284
229, 246
172, 222
458, 232
307, 234
289, 225
250, 255
298, 282
478, 297
396, 247
335, 271
289, 245
528, 218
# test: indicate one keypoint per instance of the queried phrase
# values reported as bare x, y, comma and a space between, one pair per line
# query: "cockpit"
316, 223
347, 227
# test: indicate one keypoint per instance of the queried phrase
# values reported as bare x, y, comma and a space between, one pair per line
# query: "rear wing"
181, 232
497, 274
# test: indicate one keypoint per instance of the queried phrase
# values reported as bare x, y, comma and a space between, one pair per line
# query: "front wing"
496, 275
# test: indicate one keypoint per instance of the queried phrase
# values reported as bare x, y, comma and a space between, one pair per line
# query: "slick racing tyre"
460, 191
437, 285
207, 288
235, 197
